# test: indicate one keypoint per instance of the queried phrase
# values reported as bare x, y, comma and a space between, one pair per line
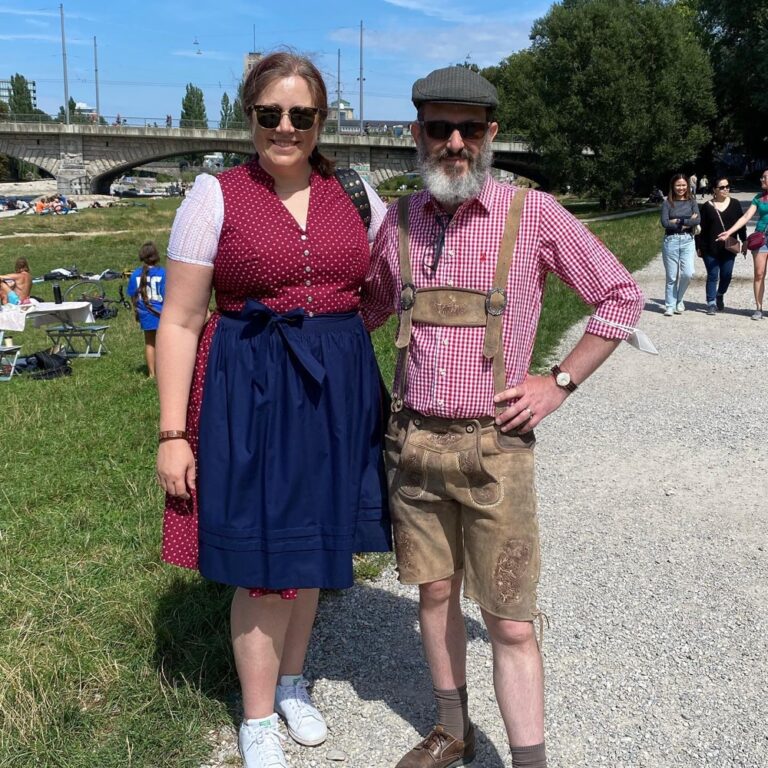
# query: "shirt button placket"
308, 271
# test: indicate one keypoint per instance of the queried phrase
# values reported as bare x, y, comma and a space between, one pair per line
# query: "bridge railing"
127, 121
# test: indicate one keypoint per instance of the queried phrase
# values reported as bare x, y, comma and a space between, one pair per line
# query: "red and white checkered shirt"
447, 373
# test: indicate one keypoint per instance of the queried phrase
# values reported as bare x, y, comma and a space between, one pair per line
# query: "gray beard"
454, 189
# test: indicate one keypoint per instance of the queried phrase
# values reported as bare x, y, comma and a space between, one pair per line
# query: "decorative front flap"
450, 306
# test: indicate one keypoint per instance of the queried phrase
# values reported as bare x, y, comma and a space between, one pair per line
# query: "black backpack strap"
353, 185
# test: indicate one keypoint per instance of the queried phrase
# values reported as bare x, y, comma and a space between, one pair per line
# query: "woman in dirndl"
270, 412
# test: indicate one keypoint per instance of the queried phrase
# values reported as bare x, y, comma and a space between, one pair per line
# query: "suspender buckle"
493, 305
407, 296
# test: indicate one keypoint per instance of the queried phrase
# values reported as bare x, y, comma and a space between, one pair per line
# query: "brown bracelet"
172, 434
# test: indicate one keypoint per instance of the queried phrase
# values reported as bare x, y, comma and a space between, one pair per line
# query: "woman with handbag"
679, 217
756, 242
717, 215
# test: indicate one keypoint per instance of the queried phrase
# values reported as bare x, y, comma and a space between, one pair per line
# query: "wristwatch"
563, 379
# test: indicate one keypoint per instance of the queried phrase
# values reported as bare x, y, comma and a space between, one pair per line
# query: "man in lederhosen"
464, 263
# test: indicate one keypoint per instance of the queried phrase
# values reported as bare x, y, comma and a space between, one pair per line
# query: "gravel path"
652, 482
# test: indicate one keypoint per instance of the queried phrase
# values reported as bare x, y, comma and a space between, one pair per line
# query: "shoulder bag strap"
353, 185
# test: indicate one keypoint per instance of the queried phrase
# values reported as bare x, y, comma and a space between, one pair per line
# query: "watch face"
563, 379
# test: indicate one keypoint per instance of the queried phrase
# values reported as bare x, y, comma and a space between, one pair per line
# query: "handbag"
756, 241
731, 244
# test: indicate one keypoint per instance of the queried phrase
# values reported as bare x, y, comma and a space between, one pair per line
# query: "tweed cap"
455, 85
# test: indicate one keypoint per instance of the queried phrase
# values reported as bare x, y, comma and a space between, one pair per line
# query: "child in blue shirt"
146, 287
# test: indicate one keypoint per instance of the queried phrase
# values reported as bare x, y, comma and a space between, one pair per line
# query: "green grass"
107, 657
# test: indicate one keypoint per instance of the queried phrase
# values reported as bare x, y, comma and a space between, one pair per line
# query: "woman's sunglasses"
725, 186
441, 130
269, 117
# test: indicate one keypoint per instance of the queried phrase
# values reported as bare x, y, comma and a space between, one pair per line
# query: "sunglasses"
269, 116
441, 130
727, 186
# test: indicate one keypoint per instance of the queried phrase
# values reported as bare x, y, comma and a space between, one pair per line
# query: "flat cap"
455, 85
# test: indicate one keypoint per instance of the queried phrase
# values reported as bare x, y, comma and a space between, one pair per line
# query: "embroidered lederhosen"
457, 307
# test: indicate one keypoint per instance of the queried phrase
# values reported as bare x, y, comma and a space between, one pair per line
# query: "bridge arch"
86, 158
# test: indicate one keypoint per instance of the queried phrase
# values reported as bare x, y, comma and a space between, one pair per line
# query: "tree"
193, 108
611, 93
20, 99
736, 34
225, 118
238, 113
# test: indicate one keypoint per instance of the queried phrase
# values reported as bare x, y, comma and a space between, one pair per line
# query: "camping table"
9, 354
73, 329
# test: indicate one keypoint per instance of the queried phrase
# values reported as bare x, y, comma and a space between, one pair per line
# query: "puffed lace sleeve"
378, 211
197, 226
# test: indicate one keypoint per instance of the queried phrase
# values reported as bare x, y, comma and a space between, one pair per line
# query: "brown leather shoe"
441, 750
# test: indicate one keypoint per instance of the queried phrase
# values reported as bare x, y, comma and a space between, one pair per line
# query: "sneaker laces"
269, 743
300, 703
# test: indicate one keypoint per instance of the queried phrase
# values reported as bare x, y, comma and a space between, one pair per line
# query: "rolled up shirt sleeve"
583, 262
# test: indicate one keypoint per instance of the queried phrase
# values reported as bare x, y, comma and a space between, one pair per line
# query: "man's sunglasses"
269, 116
441, 130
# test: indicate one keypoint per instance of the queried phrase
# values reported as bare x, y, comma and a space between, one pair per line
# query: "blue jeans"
678, 253
719, 273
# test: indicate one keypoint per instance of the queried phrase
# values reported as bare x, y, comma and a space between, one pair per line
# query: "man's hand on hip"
529, 403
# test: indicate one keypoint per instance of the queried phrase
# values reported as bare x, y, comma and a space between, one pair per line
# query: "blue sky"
147, 51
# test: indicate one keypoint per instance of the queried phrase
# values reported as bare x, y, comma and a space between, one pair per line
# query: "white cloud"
48, 14
437, 10
484, 44
37, 23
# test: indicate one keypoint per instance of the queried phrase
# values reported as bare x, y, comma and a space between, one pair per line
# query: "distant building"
5, 91
347, 113
249, 60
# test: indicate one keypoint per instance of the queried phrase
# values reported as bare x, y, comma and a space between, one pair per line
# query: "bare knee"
515, 634
437, 593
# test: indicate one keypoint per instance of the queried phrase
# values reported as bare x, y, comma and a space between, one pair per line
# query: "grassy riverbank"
110, 658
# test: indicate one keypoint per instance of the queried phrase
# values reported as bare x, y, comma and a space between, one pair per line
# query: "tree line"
616, 95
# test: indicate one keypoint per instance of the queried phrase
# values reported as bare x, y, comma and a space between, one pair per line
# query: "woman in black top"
717, 215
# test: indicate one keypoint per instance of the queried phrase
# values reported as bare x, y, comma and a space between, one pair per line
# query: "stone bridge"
88, 158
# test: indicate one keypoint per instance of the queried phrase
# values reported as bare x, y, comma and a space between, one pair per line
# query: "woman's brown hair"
149, 255
22, 265
671, 194
277, 66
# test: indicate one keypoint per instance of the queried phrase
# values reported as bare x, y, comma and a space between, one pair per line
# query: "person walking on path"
270, 414
719, 213
146, 289
703, 185
679, 217
757, 242
465, 263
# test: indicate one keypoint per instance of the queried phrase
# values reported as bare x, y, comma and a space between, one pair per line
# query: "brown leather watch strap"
570, 386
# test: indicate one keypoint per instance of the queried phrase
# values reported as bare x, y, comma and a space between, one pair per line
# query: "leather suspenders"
458, 307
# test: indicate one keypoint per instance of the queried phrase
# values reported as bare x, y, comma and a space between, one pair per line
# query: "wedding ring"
530, 413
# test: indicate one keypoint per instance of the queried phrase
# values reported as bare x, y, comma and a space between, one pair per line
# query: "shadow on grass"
192, 644
365, 635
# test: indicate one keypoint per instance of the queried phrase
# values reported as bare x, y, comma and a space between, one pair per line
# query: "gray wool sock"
529, 757
452, 711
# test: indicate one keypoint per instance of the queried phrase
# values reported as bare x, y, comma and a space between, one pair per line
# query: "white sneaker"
305, 724
680, 308
260, 743
668, 312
